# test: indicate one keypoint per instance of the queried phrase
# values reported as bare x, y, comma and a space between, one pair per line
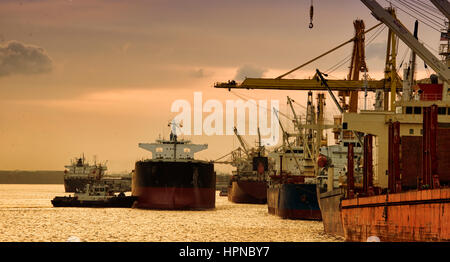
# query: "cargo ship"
94, 195
248, 183
291, 192
413, 205
247, 191
404, 193
80, 173
173, 179
332, 179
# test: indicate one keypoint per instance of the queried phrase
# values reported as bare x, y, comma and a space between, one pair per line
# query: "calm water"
26, 214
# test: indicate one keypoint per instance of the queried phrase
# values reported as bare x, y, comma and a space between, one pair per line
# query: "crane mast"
286, 141
297, 120
357, 65
400, 30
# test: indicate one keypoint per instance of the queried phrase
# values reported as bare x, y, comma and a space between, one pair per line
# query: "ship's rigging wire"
413, 9
436, 13
405, 54
248, 98
421, 20
347, 58
427, 6
326, 53
302, 106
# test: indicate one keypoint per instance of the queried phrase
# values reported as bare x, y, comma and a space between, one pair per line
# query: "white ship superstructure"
82, 169
80, 172
173, 148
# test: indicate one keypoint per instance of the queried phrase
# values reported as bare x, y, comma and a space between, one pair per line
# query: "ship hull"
409, 216
293, 201
174, 184
126, 201
248, 192
330, 208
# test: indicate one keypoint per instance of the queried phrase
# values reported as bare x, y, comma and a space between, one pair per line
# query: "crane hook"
311, 15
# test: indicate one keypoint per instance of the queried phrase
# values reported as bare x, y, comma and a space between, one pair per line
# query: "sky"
99, 76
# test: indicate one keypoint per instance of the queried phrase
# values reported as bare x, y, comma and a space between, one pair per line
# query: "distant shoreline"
57, 177
31, 177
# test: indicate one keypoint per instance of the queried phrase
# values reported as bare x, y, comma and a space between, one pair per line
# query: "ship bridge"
169, 149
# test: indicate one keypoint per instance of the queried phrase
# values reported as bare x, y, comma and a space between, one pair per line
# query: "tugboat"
95, 195
173, 179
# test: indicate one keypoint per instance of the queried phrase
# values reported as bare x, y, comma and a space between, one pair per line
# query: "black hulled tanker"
173, 179
168, 184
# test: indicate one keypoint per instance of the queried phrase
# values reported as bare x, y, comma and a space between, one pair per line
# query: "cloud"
249, 71
376, 51
200, 73
19, 58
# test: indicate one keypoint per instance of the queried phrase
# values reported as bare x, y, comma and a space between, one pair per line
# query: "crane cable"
349, 57
247, 98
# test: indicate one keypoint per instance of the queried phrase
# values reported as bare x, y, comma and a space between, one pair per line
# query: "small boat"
95, 195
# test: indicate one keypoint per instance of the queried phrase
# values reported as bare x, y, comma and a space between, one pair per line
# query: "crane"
400, 30
358, 64
297, 121
346, 88
300, 84
285, 139
242, 142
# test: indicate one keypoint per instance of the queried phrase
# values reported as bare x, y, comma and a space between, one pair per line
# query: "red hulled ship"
173, 179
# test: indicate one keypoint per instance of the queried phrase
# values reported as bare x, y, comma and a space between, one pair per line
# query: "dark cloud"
249, 71
19, 58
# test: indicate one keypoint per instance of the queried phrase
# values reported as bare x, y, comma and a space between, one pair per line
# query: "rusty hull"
410, 216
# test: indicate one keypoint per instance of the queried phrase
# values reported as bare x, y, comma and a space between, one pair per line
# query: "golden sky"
99, 76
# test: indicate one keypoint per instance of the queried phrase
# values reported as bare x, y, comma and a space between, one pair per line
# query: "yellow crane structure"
346, 88
357, 65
